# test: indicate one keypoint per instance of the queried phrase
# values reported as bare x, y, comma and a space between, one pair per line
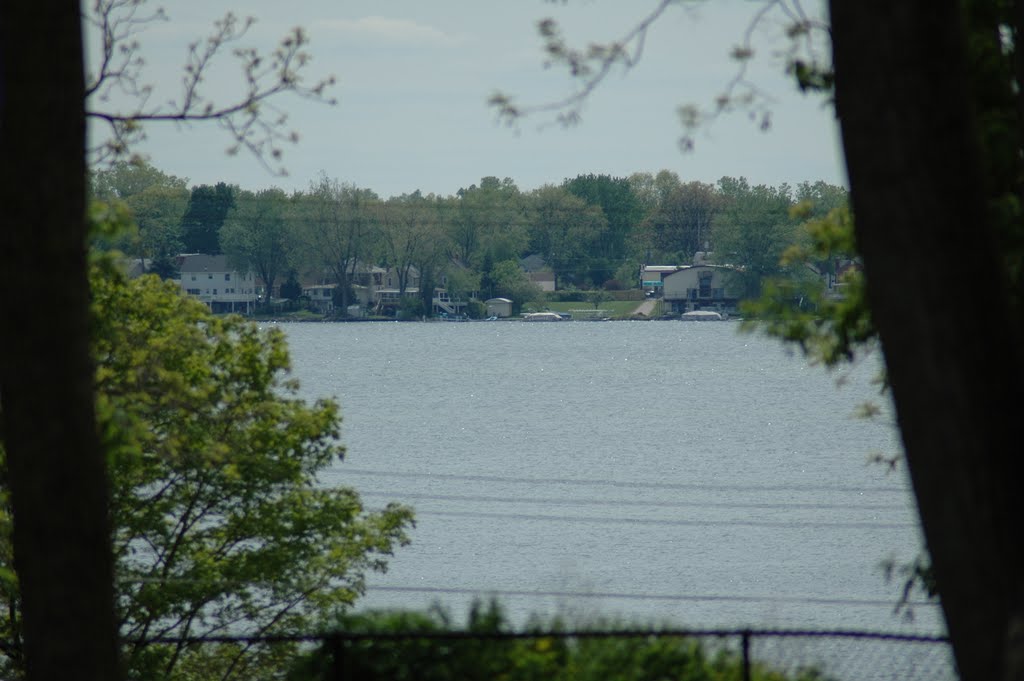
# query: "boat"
702, 316
542, 317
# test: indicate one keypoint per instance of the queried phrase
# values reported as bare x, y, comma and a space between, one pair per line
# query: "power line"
711, 598
669, 522
715, 487
632, 502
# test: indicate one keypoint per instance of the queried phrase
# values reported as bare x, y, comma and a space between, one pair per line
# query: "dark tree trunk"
939, 302
55, 466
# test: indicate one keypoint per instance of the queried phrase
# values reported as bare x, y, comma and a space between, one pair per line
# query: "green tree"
752, 230
487, 220
681, 223
55, 467
156, 200
258, 236
510, 281
623, 212
410, 233
218, 519
339, 229
564, 230
207, 209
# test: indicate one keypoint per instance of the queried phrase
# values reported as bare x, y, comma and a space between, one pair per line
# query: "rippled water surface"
658, 471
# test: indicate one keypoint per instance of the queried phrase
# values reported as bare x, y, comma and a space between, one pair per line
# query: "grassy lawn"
614, 308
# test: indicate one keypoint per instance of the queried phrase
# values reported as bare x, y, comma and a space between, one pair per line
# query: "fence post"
337, 657
745, 646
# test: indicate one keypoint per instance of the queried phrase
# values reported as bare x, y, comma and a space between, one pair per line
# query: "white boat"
542, 317
702, 316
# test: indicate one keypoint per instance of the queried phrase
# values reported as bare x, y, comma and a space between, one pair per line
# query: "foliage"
207, 209
220, 524
828, 324
753, 230
258, 237
622, 210
564, 230
473, 652
511, 282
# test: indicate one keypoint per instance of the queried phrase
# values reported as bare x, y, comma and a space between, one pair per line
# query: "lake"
654, 471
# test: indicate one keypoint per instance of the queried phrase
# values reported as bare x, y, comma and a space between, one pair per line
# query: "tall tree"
681, 222
55, 465
622, 210
258, 236
207, 209
752, 230
410, 236
931, 124
488, 219
338, 226
564, 229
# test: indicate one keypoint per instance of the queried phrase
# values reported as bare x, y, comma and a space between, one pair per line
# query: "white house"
222, 288
700, 287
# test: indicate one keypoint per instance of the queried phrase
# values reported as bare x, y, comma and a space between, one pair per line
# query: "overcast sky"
414, 77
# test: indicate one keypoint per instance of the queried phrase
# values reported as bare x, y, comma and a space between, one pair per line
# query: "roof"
200, 262
497, 300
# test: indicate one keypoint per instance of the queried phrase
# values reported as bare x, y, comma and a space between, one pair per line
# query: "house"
321, 296
222, 288
499, 307
545, 280
700, 287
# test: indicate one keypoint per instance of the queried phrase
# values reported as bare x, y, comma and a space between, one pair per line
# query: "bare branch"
589, 67
250, 120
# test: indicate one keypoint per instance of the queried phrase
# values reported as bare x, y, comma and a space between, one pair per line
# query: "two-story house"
222, 288
700, 287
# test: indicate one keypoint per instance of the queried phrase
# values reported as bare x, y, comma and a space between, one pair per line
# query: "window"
214, 291
210, 276
227, 276
193, 277
193, 291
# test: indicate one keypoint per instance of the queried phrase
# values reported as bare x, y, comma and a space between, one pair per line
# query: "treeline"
592, 231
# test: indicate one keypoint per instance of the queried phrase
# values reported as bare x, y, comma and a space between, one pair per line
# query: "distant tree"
410, 235
564, 229
622, 210
681, 222
291, 288
510, 281
207, 209
487, 220
156, 201
259, 237
339, 229
752, 230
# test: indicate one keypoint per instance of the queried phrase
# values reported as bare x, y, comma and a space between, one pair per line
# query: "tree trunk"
55, 468
939, 302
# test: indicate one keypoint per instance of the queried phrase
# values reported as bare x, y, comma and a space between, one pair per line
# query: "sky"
414, 76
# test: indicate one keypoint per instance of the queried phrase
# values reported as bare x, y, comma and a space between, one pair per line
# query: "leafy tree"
752, 230
55, 467
510, 281
487, 220
409, 232
157, 211
339, 224
219, 521
681, 223
564, 229
207, 209
622, 210
259, 237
